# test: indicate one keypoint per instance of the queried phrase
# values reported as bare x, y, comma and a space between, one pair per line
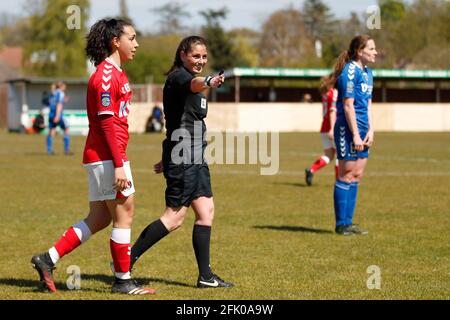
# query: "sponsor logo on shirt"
364, 87
106, 99
125, 88
365, 76
123, 110
203, 103
350, 87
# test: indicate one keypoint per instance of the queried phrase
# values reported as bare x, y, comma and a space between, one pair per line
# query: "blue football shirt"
356, 83
56, 97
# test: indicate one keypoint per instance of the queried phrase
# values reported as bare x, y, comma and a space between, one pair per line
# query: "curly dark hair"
99, 46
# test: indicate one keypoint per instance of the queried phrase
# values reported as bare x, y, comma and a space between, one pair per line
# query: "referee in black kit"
185, 169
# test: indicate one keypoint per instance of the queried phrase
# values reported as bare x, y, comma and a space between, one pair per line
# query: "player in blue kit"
353, 131
56, 118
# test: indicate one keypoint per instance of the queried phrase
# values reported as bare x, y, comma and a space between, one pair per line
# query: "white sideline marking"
215, 169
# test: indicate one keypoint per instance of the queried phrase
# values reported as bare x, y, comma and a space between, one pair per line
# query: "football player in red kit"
329, 98
110, 43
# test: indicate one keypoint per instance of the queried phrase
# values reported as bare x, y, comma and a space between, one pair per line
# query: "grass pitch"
272, 236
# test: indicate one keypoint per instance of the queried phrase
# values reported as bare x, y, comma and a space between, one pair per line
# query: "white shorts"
326, 142
101, 180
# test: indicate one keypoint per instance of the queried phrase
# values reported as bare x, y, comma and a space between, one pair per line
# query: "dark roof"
45, 80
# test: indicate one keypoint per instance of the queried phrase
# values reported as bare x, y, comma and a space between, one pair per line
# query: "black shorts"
62, 123
185, 183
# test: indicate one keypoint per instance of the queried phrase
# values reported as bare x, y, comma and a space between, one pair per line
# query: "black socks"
154, 232
201, 236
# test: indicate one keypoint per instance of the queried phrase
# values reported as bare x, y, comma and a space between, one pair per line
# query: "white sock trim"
326, 159
121, 236
123, 275
54, 255
82, 230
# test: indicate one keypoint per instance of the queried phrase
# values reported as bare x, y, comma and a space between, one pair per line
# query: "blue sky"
242, 13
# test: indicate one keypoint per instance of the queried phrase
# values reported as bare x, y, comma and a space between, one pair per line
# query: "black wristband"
208, 81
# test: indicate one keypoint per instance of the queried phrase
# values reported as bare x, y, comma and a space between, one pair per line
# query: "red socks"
120, 252
72, 238
320, 163
67, 242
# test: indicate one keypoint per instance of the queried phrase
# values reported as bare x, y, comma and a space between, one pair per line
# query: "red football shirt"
108, 93
328, 103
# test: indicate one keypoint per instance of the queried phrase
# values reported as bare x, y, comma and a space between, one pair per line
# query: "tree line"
412, 35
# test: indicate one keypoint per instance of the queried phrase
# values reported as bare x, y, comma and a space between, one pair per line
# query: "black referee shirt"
183, 108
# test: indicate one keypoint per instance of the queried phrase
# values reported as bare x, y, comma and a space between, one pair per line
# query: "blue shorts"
61, 123
345, 148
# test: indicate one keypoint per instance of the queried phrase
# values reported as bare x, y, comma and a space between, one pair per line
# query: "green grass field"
273, 236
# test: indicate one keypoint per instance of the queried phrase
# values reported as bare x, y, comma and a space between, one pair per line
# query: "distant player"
353, 131
329, 98
39, 122
56, 118
111, 191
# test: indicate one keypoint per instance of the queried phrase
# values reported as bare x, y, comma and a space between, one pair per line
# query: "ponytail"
339, 65
185, 46
357, 43
99, 39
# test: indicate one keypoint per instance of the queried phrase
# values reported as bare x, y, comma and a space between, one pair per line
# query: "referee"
185, 169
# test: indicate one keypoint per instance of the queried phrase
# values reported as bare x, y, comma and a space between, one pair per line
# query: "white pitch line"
215, 170
302, 173
373, 157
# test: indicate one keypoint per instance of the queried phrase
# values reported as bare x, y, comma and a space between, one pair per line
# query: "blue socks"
351, 202
49, 144
345, 195
341, 191
66, 143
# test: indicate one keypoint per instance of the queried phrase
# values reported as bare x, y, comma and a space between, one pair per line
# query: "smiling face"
195, 59
369, 53
126, 44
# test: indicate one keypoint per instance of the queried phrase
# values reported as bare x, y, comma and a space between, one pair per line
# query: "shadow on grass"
292, 184
144, 281
44, 154
37, 286
293, 229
